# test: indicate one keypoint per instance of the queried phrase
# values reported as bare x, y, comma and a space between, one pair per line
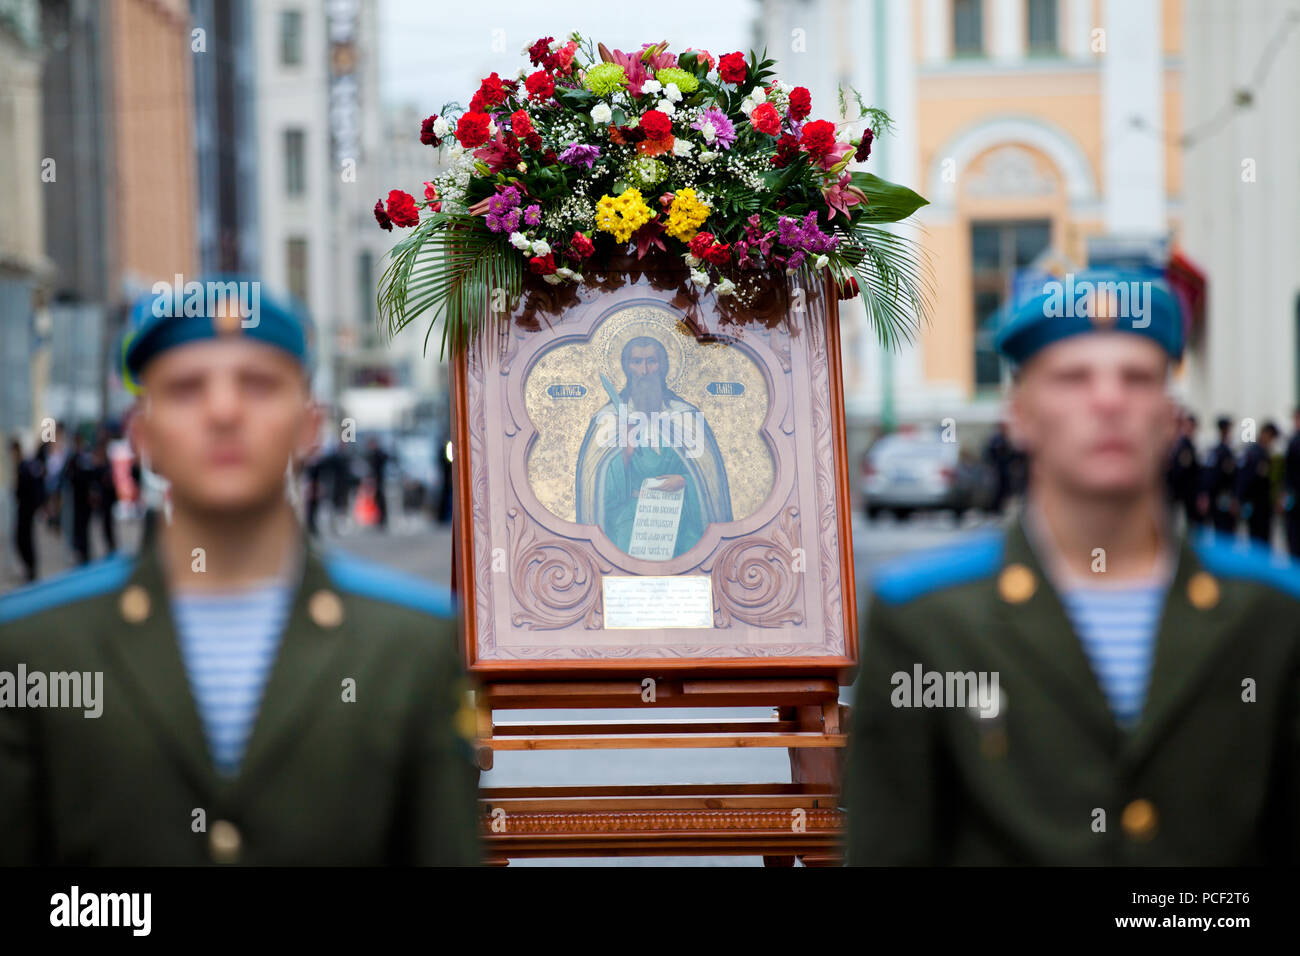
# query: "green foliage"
894, 278
886, 201
452, 264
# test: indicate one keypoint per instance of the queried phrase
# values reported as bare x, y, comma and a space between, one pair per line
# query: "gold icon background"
561, 423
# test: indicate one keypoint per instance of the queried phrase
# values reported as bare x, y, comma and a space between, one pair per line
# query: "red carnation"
800, 103
521, 124
864, 147
787, 148
550, 156
657, 125
426, 132
765, 119
542, 265
401, 209
472, 129
700, 243
540, 85
818, 137
731, 68
718, 254
538, 52
580, 246
381, 217
491, 91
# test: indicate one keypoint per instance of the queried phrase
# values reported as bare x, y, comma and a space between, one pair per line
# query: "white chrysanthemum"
666, 106
441, 127
701, 279
651, 86
492, 127
708, 132
747, 105
682, 147
541, 247
564, 272
601, 113
554, 278
821, 262
707, 157
520, 241
725, 287
456, 151
692, 260
673, 93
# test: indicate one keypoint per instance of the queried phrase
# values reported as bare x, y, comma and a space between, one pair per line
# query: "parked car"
918, 471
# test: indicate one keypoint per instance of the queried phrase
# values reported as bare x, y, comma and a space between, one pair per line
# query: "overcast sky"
434, 51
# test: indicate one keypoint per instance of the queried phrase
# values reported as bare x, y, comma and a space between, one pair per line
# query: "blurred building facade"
1242, 223
119, 209
24, 269
1033, 127
317, 126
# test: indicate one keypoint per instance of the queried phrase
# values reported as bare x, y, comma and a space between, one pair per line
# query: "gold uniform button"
326, 609
224, 842
1139, 820
1016, 584
134, 604
1203, 591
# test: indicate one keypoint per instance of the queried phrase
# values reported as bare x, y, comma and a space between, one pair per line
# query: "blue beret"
1093, 301
220, 307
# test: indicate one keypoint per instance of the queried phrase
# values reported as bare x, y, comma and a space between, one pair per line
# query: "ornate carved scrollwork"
756, 579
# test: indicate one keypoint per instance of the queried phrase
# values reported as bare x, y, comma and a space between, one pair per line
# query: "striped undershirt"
1117, 627
228, 642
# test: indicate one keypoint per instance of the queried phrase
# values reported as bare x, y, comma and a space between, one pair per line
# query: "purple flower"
503, 210
723, 130
804, 237
533, 214
580, 154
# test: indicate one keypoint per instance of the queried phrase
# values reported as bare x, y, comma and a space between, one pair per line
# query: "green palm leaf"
452, 264
894, 277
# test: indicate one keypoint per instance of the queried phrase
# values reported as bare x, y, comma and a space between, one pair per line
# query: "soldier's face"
1094, 414
222, 420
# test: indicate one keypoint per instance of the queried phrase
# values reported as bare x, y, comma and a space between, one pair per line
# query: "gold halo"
616, 330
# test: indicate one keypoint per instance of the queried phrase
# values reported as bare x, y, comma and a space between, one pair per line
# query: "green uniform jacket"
1206, 778
383, 779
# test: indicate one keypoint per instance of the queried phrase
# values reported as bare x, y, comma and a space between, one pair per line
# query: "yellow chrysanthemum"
686, 215
622, 215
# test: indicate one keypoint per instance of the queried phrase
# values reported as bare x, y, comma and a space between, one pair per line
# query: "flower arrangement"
592, 152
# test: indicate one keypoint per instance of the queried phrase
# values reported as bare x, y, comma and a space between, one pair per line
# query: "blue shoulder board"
1229, 558
975, 556
99, 577
383, 584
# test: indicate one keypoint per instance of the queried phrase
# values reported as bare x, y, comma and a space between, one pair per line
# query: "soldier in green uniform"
1082, 687
230, 695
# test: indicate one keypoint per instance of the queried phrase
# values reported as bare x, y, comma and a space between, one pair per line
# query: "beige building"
1031, 126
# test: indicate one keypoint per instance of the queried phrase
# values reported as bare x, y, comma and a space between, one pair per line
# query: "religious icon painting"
652, 479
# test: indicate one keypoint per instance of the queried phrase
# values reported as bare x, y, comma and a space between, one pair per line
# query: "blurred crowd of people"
70, 484
1226, 488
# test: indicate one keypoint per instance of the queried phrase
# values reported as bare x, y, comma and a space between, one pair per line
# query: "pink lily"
843, 195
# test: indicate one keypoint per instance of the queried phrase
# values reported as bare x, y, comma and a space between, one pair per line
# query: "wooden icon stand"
537, 635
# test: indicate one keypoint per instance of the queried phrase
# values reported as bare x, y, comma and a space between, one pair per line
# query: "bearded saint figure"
649, 431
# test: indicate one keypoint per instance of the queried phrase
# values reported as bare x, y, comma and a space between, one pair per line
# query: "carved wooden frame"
552, 581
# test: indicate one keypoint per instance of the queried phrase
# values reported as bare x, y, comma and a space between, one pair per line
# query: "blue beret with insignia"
217, 308
1093, 301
